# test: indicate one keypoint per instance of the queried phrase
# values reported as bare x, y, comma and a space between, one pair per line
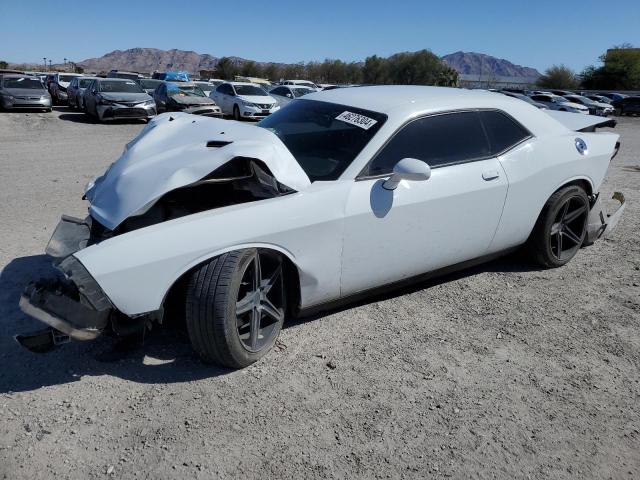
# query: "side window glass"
502, 130
438, 140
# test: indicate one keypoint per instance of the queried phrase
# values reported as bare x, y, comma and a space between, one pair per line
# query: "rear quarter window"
502, 130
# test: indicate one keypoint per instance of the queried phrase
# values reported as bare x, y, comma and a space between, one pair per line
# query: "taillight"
615, 151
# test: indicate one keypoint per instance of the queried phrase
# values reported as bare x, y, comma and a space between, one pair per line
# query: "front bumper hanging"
73, 304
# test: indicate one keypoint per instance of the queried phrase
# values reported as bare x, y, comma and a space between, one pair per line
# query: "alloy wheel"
260, 303
568, 229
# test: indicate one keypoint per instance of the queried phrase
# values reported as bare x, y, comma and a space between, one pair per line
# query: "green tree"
4, 64
559, 76
620, 70
375, 70
226, 68
251, 69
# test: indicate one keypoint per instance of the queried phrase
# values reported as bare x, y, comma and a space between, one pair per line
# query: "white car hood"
577, 106
171, 152
261, 99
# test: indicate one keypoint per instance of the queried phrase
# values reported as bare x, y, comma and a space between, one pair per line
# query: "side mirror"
289, 95
408, 169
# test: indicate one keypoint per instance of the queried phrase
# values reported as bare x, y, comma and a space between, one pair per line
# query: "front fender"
136, 269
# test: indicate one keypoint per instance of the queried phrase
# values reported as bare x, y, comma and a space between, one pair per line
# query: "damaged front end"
179, 165
72, 304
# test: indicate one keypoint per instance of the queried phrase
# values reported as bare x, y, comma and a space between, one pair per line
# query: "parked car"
124, 74
341, 194
149, 85
556, 102
116, 98
562, 93
524, 98
613, 96
595, 108
206, 87
285, 93
215, 82
172, 76
302, 83
184, 97
627, 106
244, 100
75, 91
597, 98
23, 91
58, 86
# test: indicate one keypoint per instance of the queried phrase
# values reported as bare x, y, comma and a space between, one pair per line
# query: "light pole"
45, 63
49, 64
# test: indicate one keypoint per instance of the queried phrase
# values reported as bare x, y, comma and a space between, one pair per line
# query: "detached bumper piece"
74, 307
600, 222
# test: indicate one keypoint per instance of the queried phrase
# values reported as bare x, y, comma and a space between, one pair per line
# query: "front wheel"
235, 307
561, 228
236, 113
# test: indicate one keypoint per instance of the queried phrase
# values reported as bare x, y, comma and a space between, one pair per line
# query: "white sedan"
244, 100
236, 227
286, 93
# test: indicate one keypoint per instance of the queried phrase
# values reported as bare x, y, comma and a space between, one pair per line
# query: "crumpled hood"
171, 152
192, 100
125, 96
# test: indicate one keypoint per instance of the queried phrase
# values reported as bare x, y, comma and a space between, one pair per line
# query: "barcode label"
356, 119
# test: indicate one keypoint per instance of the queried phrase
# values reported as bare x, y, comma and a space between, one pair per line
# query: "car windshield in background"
85, 82
66, 78
250, 90
185, 91
298, 92
150, 83
128, 86
323, 137
24, 82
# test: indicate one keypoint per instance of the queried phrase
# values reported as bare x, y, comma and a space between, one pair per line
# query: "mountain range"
146, 60
471, 63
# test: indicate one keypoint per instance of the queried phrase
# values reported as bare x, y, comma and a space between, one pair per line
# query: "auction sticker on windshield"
357, 120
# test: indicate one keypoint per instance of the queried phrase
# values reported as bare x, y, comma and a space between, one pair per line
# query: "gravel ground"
501, 371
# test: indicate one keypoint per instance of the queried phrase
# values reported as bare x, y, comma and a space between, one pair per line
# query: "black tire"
236, 113
561, 228
230, 321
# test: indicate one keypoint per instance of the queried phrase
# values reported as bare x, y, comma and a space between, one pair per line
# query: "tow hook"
42, 341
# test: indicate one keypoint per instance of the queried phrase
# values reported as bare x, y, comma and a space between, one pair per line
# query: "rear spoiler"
579, 122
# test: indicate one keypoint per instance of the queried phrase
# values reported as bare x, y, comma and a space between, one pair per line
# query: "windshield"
204, 85
250, 90
150, 84
119, 86
85, 82
66, 78
184, 91
298, 92
23, 82
323, 137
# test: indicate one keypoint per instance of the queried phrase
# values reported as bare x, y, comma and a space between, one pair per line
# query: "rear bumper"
601, 221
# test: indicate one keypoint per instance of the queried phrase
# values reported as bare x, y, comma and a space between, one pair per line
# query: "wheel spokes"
571, 236
570, 217
257, 316
268, 283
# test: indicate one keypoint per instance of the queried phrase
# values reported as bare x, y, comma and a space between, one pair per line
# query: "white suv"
244, 100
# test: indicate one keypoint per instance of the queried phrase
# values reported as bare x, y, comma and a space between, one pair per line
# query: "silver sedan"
23, 91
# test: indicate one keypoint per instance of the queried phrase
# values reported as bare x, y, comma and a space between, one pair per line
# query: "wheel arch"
175, 294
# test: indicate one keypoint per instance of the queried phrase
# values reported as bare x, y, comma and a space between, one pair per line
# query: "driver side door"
391, 235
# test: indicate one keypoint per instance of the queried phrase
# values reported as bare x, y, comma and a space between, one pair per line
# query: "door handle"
490, 175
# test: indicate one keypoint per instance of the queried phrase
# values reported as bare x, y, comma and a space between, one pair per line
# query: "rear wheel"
236, 306
561, 228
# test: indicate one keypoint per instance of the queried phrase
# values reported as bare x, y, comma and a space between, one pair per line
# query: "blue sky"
537, 34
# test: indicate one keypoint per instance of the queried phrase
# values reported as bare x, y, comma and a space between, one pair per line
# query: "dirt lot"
501, 371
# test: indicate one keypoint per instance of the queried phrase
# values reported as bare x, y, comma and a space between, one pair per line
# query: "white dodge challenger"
235, 227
